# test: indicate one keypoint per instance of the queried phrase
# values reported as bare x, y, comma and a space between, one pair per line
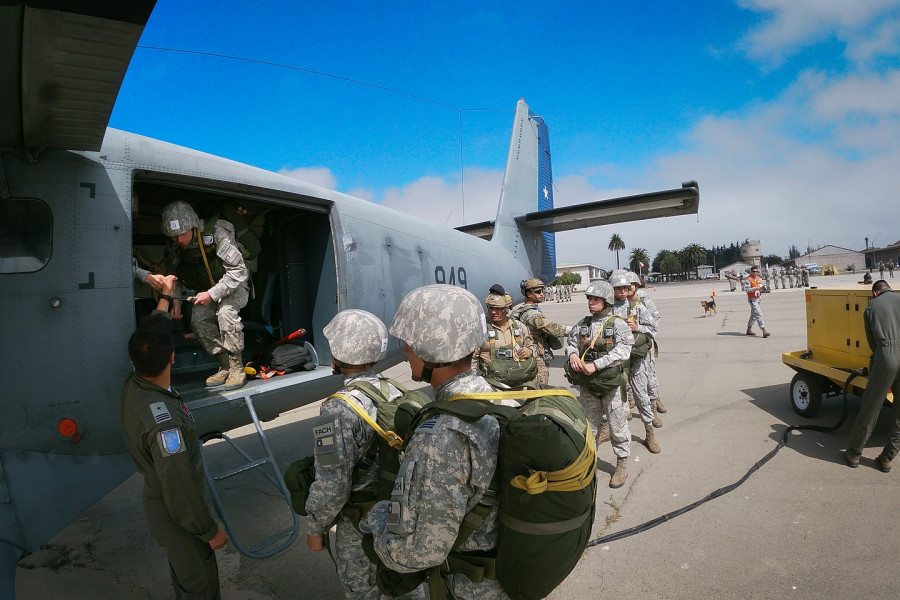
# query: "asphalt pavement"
804, 526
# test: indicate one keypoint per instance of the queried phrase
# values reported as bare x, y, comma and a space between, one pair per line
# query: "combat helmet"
495, 300
530, 284
619, 278
356, 337
601, 289
440, 323
635, 279
178, 217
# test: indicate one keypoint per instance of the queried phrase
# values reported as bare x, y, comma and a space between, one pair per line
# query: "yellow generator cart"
836, 345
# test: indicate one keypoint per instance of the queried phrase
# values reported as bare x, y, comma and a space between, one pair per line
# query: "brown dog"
709, 307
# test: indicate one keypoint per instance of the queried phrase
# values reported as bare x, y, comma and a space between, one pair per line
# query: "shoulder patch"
229, 253
430, 424
160, 412
170, 441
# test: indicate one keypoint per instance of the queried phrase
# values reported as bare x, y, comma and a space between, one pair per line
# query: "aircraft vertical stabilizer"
527, 184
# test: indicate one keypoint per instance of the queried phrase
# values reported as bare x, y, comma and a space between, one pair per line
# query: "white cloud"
796, 23
321, 176
436, 199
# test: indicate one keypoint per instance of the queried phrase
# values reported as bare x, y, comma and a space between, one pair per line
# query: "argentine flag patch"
171, 442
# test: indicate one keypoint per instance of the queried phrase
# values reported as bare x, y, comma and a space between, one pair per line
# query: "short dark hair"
881, 286
151, 346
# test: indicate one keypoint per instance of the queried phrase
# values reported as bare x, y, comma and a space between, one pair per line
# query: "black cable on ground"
722, 491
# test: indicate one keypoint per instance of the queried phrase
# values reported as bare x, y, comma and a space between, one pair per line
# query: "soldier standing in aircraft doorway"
207, 259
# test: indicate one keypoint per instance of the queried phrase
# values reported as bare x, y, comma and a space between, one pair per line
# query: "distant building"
751, 252
876, 255
842, 258
703, 271
738, 267
587, 271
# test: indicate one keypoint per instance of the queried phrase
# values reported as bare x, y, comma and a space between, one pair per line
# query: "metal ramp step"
268, 546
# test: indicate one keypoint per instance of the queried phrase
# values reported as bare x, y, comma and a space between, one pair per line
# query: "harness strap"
199, 236
574, 477
555, 528
394, 440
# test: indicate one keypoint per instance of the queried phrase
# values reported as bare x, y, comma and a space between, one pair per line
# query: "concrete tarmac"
804, 526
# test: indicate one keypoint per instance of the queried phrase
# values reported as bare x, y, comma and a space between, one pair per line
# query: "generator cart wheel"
806, 394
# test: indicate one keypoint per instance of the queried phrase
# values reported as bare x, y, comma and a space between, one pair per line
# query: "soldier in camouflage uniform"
161, 438
604, 325
804, 276
448, 464
358, 339
783, 272
509, 349
640, 320
545, 332
222, 289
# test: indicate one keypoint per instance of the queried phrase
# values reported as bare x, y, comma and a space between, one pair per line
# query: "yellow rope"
576, 476
395, 441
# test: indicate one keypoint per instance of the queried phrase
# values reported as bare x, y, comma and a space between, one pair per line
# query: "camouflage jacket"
580, 338
446, 469
227, 264
337, 460
540, 326
505, 338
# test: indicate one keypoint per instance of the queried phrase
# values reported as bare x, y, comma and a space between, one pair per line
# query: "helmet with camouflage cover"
356, 337
440, 323
619, 278
634, 278
600, 289
530, 284
498, 300
178, 217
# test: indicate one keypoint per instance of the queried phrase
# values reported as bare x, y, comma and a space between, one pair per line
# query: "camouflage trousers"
613, 405
218, 325
755, 314
355, 570
639, 387
653, 384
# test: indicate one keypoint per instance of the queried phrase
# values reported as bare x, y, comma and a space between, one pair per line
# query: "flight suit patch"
160, 412
324, 432
171, 442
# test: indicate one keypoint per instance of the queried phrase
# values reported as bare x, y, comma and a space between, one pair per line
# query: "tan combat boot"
650, 440
222, 374
236, 375
604, 432
621, 474
657, 422
766, 333
659, 406
749, 332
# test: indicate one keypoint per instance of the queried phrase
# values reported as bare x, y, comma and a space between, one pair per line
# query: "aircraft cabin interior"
294, 281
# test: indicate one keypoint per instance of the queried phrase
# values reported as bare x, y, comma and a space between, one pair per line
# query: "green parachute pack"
603, 380
544, 485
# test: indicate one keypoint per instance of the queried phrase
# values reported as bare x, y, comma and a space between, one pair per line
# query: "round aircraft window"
26, 235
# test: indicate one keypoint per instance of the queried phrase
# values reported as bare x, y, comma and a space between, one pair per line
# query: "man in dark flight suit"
162, 440
882, 324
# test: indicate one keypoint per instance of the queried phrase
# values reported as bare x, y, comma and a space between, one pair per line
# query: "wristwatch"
166, 297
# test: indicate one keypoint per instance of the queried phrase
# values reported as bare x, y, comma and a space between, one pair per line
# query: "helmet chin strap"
427, 372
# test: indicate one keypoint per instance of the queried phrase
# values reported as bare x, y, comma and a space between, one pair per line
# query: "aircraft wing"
668, 203
61, 65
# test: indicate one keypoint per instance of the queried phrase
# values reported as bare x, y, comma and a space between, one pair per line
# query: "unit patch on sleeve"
170, 441
160, 412
324, 433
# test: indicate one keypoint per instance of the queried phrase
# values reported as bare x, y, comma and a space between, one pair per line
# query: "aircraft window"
26, 235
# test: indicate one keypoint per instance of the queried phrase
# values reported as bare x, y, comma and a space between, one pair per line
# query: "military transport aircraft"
78, 199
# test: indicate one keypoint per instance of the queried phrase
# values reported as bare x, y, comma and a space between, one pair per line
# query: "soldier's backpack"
544, 483
247, 241
603, 380
386, 450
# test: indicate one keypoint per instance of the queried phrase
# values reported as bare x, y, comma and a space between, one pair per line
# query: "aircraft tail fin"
527, 186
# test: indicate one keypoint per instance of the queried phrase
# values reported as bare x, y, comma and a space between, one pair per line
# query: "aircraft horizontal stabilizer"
669, 203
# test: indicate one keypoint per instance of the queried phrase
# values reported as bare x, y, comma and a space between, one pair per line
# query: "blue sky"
787, 112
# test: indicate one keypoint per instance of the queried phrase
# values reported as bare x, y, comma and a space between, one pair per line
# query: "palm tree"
692, 255
669, 264
616, 244
638, 257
